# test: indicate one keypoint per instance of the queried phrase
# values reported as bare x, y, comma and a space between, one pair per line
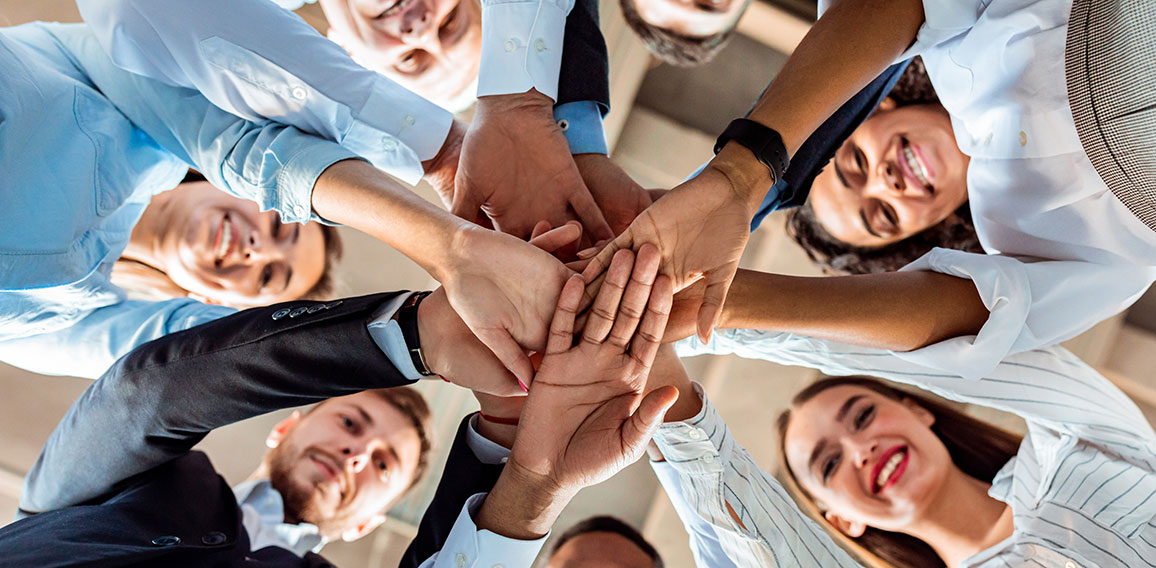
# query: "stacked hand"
586, 416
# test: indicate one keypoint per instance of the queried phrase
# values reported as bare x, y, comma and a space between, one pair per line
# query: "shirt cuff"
487, 451
522, 46
386, 333
581, 123
468, 547
696, 446
297, 178
396, 130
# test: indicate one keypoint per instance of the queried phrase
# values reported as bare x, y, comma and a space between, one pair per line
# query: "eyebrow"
296, 232
364, 415
867, 224
839, 416
288, 278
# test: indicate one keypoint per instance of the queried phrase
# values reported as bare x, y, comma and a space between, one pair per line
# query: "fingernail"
585, 254
523, 385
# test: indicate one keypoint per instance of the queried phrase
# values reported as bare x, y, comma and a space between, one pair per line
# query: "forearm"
522, 506
354, 193
899, 311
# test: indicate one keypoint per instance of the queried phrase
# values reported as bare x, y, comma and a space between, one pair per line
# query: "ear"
925, 416
849, 528
277, 434
887, 103
363, 529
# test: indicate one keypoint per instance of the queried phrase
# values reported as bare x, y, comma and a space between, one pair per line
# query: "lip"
909, 176
330, 468
895, 475
396, 9
219, 235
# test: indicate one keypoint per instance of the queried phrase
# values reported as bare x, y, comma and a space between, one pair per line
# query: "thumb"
502, 344
718, 283
641, 425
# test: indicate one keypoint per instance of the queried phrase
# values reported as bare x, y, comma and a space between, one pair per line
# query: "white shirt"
998, 68
1082, 486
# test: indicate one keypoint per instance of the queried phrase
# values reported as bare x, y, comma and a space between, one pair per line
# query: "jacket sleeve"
157, 402
464, 476
585, 73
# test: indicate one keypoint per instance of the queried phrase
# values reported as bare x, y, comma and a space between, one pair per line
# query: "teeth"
915, 166
889, 468
226, 239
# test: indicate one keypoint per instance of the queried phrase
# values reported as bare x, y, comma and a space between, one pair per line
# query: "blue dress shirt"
84, 146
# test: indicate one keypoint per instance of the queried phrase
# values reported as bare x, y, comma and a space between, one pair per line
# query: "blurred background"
662, 127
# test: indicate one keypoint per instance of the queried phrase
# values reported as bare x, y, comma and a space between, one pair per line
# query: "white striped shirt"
1082, 487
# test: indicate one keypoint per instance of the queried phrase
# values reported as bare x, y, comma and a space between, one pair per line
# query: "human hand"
516, 168
441, 170
700, 228
505, 290
586, 416
619, 197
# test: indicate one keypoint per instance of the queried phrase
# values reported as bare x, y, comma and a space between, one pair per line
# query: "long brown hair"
977, 448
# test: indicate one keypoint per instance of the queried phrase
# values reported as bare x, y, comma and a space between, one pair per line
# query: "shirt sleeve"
1049, 388
106, 334
714, 472
270, 163
704, 540
259, 61
522, 46
1031, 304
581, 124
467, 546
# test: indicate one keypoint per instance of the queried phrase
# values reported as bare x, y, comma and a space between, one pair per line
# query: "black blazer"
585, 72
117, 484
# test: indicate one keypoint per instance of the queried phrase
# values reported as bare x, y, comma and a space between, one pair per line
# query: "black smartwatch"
406, 318
763, 142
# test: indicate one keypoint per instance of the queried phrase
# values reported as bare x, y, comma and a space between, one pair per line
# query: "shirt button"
499, 566
333, 304
410, 120
298, 311
299, 93
697, 434
511, 44
281, 313
460, 560
1070, 564
564, 124
708, 459
539, 45
166, 541
213, 538
300, 210
389, 144
316, 308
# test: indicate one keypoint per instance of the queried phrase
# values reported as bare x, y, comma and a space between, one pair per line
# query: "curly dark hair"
955, 232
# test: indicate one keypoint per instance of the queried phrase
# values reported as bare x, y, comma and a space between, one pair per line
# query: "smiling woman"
197, 241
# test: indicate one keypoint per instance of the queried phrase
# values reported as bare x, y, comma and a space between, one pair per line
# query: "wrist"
532, 101
435, 318
748, 179
441, 168
523, 505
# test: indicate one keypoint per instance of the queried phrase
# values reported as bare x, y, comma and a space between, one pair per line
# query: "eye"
266, 275
860, 160
864, 417
829, 466
451, 23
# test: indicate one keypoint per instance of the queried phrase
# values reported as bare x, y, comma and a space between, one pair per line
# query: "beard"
302, 501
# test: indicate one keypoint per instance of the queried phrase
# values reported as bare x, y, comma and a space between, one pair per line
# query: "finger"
634, 299
539, 228
591, 290
640, 427
577, 266
466, 205
590, 214
602, 260
605, 308
718, 283
562, 326
647, 340
554, 239
502, 344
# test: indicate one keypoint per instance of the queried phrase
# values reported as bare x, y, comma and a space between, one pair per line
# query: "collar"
264, 518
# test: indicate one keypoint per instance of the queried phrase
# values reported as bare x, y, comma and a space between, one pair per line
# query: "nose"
416, 22
263, 248
356, 458
861, 450
887, 181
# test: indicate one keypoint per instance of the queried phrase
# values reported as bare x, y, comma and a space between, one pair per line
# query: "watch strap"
765, 143
407, 320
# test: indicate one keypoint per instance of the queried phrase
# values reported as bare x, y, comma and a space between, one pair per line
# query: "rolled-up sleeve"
258, 61
1031, 304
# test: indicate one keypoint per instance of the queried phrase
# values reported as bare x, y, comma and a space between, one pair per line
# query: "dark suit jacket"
117, 484
585, 72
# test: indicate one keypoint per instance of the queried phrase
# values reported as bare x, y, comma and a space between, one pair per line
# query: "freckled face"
431, 47
226, 250
345, 462
897, 174
866, 457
